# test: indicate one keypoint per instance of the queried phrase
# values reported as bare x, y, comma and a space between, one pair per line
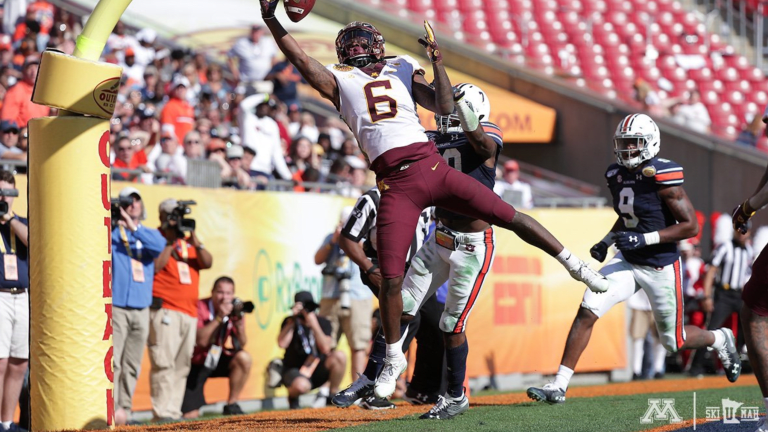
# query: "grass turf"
610, 413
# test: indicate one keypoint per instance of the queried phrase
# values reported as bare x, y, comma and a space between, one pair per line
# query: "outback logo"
105, 94
343, 67
649, 171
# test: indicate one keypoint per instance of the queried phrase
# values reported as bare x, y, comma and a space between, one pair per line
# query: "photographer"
218, 323
134, 249
173, 314
346, 302
309, 359
14, 301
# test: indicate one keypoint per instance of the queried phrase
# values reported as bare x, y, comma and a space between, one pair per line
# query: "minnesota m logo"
661, 409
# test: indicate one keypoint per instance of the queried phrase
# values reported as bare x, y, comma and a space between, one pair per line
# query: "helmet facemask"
477, 101
632, 150
367, 40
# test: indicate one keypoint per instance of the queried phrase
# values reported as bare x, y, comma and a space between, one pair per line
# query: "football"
298, 9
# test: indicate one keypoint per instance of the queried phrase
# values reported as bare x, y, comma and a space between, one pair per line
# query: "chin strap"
467, 117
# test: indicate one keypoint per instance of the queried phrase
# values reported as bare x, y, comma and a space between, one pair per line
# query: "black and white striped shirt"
734, 265
361, 224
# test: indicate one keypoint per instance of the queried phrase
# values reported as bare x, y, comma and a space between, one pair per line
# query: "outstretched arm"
438, 99
320, 78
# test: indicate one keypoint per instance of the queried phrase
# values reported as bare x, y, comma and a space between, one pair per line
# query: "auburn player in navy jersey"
461, 251
654, 214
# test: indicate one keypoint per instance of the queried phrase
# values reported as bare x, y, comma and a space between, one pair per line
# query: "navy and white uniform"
657, 268
462, 259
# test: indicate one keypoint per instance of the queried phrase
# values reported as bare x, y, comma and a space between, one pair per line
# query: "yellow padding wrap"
70, 273
76, 85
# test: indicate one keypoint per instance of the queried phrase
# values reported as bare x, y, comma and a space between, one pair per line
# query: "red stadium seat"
758, 97
709, 97
703, 74
468, 6
734, 97
727, 74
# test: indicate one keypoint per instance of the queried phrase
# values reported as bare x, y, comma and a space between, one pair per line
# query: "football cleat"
761, 426
374, 403
386, 383
361, 388
729, 356
415, 398
447, 408
592, 279
549, 394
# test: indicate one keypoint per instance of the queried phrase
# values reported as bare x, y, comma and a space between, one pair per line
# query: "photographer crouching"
310, 361
173, 314
219, 348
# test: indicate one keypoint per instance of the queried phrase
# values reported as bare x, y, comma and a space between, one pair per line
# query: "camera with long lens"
340, 271
179, 214
239, 308
117, 203
4, 205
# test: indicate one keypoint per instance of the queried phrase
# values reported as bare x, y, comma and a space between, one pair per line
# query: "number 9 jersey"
637, 202
377, 104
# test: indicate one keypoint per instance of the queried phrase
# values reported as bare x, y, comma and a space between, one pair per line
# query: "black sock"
293, 403
456, 358
376, 358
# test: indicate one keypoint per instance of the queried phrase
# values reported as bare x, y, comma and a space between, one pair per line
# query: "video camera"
182, 209
240, 307
4, 205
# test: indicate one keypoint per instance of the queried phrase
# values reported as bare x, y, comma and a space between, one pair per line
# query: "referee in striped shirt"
729, 270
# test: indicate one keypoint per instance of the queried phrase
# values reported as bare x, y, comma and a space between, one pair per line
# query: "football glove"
629, 240
268, 8
741, 215
429, 42
599, 251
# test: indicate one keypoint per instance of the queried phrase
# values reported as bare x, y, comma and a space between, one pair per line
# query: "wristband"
652, 238
372, 269
219, 319
467, 116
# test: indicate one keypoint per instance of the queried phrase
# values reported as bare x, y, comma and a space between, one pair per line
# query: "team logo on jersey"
649, 171
382, 186
375, 75
619, 179
611, 173
343, 67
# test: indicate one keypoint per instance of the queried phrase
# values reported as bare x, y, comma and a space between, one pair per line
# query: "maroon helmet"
367, 37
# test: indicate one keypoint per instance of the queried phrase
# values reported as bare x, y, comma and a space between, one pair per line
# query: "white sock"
765, 401
323, 391
719, 340
563, 377
396, 349
568, 260
659, 357
7, 424
637, 356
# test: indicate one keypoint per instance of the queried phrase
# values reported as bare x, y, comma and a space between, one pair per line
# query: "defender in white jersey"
377, 97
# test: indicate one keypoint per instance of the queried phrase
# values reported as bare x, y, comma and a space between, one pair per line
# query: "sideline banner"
267, 241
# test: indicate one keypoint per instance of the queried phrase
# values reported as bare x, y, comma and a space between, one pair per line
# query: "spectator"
152, 90
302, 155
9, 147
218, 323
144, 50
119, 41
308, 128
640, 324
217, 86
18, 105
124, 159
346, 302
693, 114
512, 189
286, 78
173, 318
248, 155
261, 133
729, 270
177, 111
255, 55
171, 159
309, 359
134, 249
133, 71
193, 91
649, 99
14, 303
13, 10
193, 145
751, 132
357, 176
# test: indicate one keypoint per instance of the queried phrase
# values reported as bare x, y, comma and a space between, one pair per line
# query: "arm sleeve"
494, 132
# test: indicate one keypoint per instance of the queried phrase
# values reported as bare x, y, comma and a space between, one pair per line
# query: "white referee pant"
465, 270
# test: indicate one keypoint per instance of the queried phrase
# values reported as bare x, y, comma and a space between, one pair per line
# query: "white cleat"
387, 380
594, 280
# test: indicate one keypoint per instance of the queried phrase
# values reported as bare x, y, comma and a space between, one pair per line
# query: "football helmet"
365, 35
477, 100
637, 139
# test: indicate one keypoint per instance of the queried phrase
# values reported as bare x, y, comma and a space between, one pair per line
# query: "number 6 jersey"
377, 104
636, 200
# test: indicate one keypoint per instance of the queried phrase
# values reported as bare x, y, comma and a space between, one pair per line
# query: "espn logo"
517, 303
